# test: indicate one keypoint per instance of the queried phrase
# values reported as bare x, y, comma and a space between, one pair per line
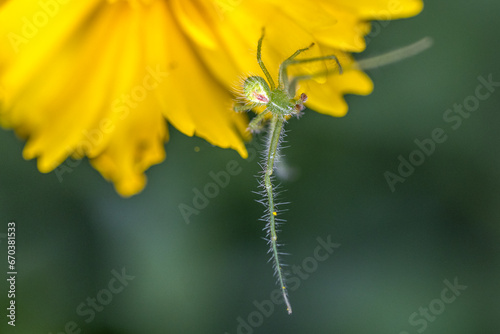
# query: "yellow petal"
382, 9
72, 120
328, 23
328, 98
32, 37
192, 101
136, 144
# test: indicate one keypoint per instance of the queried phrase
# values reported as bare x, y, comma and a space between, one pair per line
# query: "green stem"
274, 137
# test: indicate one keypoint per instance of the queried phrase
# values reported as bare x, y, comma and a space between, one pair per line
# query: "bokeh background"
396, 248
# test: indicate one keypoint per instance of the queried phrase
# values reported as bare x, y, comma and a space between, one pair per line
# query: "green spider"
280, 103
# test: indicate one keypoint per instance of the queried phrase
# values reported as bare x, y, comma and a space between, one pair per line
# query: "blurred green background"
396, 248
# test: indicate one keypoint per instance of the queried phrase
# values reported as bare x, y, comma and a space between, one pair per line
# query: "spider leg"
261, 63
290, 87
256, 124
283, 75
239, 107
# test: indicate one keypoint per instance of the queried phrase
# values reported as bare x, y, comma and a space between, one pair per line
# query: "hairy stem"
275, 129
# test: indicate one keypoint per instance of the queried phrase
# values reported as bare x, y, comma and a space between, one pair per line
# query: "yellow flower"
102, 79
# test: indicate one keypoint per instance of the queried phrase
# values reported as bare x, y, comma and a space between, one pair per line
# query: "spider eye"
256, 90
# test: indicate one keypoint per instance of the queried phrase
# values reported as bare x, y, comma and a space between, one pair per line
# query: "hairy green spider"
280, 103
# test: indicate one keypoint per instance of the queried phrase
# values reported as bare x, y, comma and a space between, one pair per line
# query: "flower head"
102, 79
